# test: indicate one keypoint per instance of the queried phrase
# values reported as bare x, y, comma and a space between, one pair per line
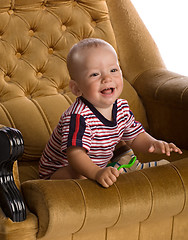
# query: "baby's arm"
146, 143
81, 163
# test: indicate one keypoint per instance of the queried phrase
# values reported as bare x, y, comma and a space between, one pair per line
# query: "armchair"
35, 38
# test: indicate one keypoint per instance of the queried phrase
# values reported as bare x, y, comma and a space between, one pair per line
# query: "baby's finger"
115, 172
151, 149
107, 182
104, 184
167, 148
162, 147
121, 171
174, 148
113, 178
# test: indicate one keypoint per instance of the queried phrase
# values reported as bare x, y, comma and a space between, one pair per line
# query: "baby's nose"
106, 78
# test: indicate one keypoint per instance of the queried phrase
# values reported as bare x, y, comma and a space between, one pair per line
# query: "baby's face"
99, 77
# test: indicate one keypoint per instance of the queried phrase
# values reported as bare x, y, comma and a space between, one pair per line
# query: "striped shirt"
84, 126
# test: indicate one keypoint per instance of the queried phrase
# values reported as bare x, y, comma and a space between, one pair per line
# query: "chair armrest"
25, 230
66, 207
165, 97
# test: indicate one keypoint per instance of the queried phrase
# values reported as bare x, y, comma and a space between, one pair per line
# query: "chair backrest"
35, 38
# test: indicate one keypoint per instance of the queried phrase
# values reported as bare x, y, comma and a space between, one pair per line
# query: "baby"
83, 142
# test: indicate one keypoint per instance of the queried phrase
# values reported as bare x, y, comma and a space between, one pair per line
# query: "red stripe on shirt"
76, 130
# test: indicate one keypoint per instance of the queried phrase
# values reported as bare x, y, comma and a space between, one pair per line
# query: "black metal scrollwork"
11, 147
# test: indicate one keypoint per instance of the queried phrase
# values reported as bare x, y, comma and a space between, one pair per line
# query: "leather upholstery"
35, 37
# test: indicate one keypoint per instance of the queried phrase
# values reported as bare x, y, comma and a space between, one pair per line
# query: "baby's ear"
74, 88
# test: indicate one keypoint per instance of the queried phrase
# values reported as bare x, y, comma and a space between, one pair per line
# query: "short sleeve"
132, 128
79, 133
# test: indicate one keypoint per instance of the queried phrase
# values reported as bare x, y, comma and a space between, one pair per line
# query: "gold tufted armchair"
35, 37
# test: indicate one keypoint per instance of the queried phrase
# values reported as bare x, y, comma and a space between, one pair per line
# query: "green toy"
132, 161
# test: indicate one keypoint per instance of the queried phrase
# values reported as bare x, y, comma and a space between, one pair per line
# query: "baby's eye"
93, 75
114, 70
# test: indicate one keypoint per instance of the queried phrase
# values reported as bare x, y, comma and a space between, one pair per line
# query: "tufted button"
18, 55
10, 12
63, 27
39, 74
28, 96
31, 33
50, 50
61, 91
7, 78
93, 24
74, 4
43, 7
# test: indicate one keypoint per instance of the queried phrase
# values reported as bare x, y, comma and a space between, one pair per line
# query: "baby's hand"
163, 147
107, 176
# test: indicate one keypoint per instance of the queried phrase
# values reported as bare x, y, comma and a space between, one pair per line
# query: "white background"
167, 22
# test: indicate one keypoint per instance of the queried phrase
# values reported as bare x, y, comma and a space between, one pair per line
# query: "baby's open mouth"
107, 91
